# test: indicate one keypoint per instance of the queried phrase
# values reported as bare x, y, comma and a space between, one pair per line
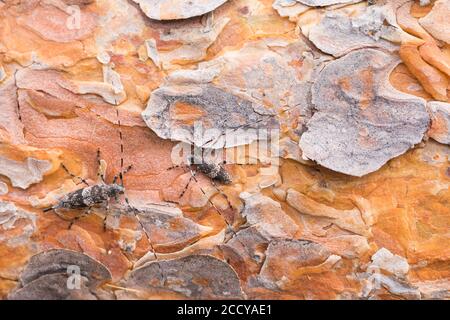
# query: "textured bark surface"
353, 203
177, 9
361, 121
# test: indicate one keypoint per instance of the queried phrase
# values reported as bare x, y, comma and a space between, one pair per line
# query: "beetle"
90, 196
215, 171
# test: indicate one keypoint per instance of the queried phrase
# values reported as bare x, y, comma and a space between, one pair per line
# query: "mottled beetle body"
89, 196
214, 171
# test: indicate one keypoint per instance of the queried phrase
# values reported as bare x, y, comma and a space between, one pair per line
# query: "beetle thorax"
114, 190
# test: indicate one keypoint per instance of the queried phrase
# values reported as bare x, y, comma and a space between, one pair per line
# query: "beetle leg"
85, 214
222, 193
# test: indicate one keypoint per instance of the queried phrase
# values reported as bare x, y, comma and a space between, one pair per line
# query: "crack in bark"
5, 278
17, 96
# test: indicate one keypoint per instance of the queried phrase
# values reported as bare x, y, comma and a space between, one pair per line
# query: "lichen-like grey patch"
61, 274
195, 276
53, 287
24, 174
338, 34
9, 215
361, 121
440, 121
177, 9
207, 116
58, 261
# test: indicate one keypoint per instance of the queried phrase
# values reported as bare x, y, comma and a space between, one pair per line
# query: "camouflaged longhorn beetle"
91, 195
97, 194
100, 194
214, 171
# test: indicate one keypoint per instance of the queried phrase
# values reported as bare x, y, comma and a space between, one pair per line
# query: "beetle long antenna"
222, 194
130, 207
121, 147
150, 242
74, 176
229, 226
